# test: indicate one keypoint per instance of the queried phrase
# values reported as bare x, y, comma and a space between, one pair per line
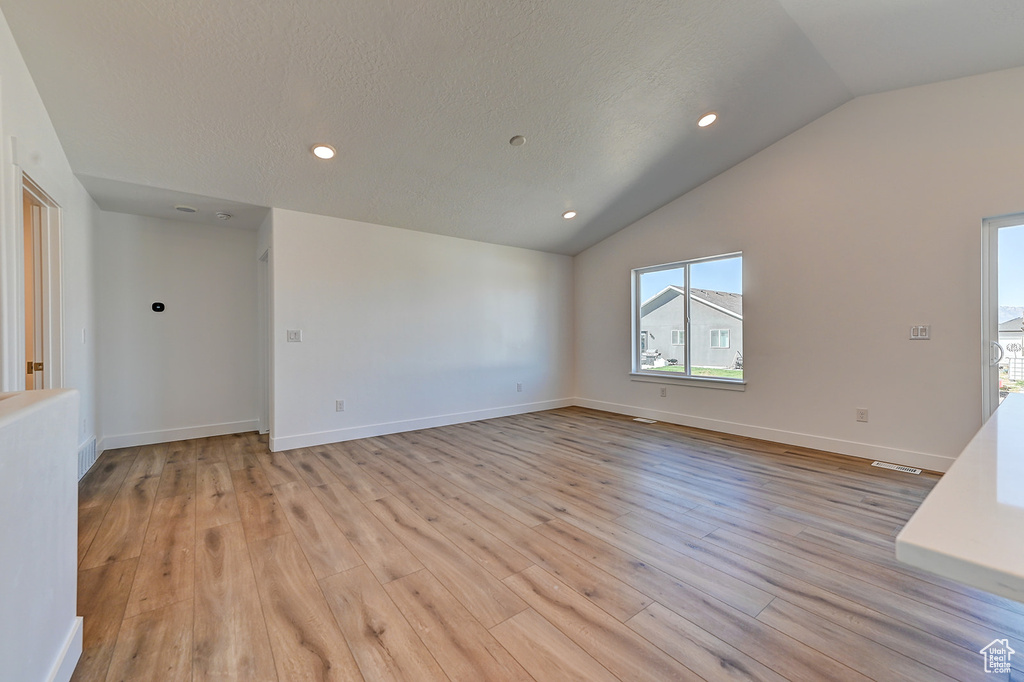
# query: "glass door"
1002, 310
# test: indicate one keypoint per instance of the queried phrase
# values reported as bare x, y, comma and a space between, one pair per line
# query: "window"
688, 319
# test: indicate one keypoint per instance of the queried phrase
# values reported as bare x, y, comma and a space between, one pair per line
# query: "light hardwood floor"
562, 545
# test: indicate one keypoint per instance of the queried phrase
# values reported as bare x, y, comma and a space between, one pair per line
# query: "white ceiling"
154, 99
126, 197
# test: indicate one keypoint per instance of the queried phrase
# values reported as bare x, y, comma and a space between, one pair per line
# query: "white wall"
30, 144
40, 636
854, 228
188, 371
410, 329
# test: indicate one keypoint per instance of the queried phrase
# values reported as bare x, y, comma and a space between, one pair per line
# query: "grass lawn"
703, 371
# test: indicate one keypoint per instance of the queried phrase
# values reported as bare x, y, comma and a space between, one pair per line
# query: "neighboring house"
716, 322
1009, 334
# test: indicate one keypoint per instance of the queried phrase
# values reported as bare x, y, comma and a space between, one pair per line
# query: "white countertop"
970, 527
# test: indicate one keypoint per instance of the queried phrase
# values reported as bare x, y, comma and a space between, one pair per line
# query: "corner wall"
190, 371
853, 229
410, 329
40, 636
30, 145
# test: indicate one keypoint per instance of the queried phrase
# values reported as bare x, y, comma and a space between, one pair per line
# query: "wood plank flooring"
562, 545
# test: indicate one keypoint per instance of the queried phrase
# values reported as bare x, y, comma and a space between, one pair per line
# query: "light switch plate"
294, 335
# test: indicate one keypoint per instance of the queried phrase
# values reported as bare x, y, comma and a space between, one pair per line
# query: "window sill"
703, 382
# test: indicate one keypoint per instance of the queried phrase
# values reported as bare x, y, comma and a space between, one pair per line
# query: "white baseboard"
307, 440
922, 460
65, 664
128, 440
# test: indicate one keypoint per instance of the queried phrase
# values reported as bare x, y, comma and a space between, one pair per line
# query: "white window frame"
990, 309
655, 376
678, 337
717, 333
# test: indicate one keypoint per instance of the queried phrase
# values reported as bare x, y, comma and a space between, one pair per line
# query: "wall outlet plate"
339, 405
862, 414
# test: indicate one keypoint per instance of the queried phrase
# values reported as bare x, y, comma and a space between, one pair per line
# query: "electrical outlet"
339, 405
664, 392
921, 332
519, 387
862, 414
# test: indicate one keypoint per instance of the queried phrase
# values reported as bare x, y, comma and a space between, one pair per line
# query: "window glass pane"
716, 305
662, 317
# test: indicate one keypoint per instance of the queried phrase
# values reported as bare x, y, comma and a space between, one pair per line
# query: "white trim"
922, 460
655, 377
307, 440
263, 334
127, 440
989, 315
51, 237
12, 284
64, 666
686, 291
990, 306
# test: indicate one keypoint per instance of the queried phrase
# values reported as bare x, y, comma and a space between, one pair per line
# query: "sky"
1011, 266
719, 275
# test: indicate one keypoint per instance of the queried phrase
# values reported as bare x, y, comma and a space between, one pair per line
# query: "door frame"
990, 307
264, 338
52, 293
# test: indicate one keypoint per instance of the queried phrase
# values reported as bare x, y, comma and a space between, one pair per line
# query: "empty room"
519, 341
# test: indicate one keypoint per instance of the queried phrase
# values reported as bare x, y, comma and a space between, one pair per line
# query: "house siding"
660, 322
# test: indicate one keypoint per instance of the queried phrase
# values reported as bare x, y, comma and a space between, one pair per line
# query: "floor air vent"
644, 421
896, 467
86, 457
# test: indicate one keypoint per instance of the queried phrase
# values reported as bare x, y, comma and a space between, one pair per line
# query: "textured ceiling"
224, 99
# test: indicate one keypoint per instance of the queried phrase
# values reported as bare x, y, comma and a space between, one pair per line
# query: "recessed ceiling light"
184, 209
223, 216
707, 119
569, 215
517, 141
323, 151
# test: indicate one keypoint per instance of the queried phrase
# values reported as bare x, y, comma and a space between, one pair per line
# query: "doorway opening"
1002, 310
42, 299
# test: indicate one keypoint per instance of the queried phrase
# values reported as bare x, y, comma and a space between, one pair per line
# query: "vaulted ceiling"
158, 99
